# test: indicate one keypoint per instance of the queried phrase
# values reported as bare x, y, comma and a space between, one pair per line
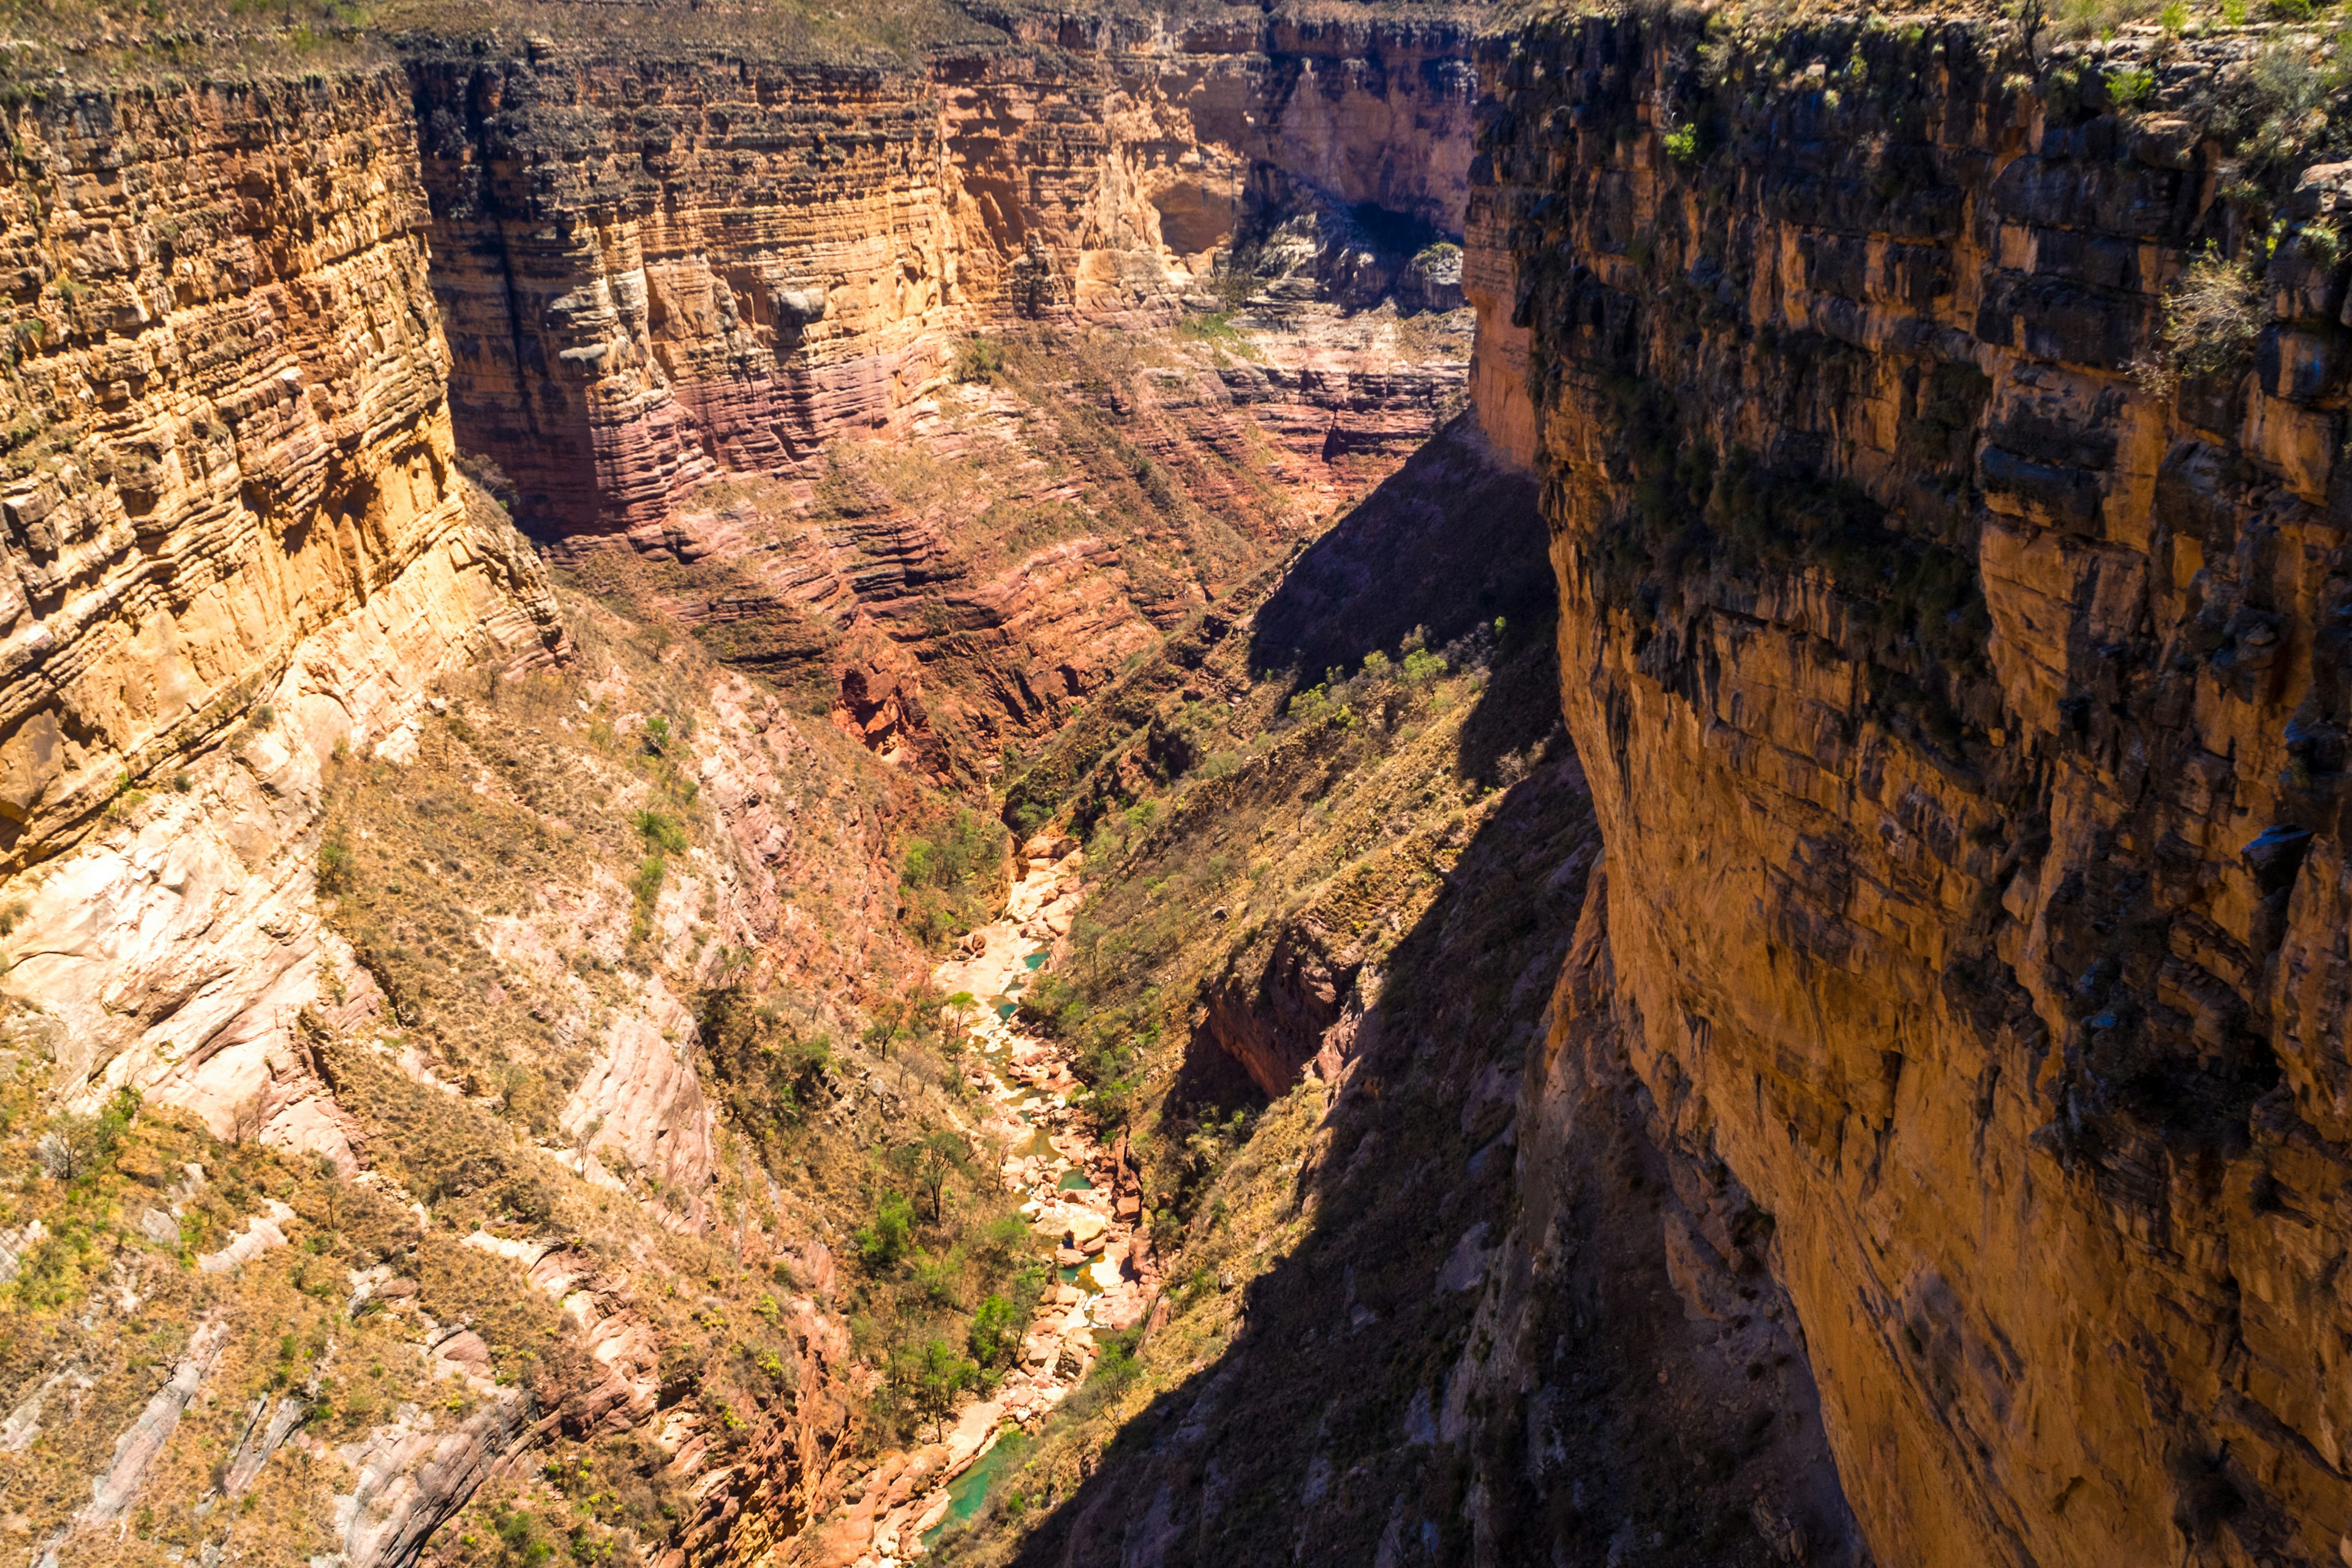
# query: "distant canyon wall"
658, 271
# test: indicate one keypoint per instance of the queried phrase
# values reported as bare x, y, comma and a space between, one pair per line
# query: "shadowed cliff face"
1418, 1310
1959, 677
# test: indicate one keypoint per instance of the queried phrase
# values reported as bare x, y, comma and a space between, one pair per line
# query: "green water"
1074, 1180
1039, 1144
971, 1489
1004, 1009
1036, 960
1069, 1274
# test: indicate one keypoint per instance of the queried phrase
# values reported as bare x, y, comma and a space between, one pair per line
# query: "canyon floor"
1079, 1196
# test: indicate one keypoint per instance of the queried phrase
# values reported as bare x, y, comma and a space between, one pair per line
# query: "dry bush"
2212, 315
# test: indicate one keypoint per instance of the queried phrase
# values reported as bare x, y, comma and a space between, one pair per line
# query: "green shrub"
662, 834
645, 889
939, 1280
980, 360
2212, 315
994, 1337
949, 878
1052, 1007
336, 866
519, 1545
1004, 1238
77, 1147
933, 1376
1681, 144
883, 1245
1215, 327
1114, 1367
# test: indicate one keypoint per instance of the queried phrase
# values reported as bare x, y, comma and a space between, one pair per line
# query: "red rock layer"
655, 270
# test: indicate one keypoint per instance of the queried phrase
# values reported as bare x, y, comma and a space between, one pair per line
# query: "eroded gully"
1077, 1192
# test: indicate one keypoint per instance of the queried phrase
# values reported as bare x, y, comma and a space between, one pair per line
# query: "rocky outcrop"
641, 1104
1955, 663
406, 1482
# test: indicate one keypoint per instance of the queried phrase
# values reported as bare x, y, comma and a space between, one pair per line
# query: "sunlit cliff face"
1946, 644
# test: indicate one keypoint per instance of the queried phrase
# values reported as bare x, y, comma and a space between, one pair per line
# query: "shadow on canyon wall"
1473, 1347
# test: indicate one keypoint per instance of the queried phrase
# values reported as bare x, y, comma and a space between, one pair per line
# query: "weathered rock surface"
230, 477
1964, 717
240, 542
659, 268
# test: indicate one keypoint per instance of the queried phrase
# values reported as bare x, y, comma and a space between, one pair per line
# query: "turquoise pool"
971, 1489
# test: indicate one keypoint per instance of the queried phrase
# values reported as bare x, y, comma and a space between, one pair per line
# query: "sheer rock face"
656, 271
1993, 934
229, 473
1968, 744
236, 538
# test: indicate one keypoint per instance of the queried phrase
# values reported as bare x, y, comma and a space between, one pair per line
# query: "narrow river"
1079, 1196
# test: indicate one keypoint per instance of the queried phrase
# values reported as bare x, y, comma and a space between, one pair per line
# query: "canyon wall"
349, 874
1957, 661
229, 475
661, 267
237, 542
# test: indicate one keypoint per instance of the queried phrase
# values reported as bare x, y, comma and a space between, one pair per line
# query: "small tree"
881, 1245
940, 1155
995, 1333
936, 1377
336, 864
76, 1146
249, 1116
955, 1014
887, 1027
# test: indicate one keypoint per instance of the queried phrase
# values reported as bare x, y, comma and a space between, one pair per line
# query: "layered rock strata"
961, 588
1956, 664
229, 471
239, 543
656, 269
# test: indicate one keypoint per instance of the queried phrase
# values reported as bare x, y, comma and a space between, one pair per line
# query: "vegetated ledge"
178, 41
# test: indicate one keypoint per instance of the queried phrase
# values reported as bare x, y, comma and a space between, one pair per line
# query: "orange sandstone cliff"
1955, 656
